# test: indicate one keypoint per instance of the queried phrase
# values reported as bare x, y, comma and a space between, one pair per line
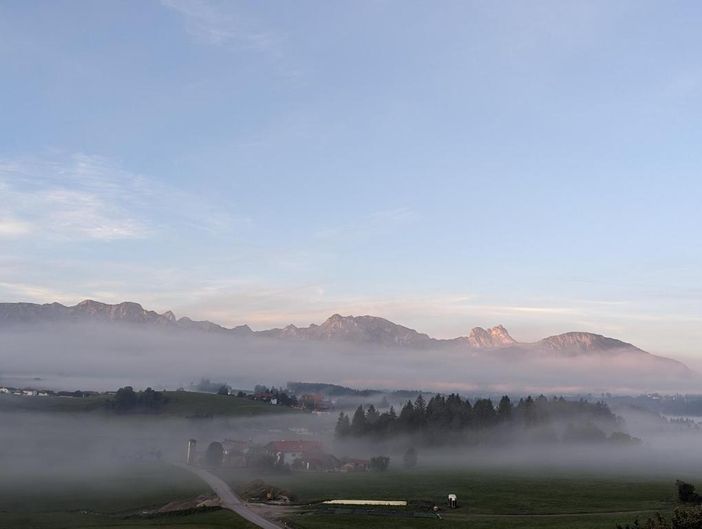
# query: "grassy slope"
180, 403
92, 498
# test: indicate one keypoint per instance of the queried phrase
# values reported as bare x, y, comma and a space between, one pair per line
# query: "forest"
444, 419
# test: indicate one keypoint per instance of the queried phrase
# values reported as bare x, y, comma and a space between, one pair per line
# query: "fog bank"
103, 357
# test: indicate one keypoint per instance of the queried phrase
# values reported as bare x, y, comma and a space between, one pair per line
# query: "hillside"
177, 404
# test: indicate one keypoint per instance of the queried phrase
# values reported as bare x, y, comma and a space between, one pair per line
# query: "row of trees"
127, 400
446, 414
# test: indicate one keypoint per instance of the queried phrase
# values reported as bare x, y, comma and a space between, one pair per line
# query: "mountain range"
359, 330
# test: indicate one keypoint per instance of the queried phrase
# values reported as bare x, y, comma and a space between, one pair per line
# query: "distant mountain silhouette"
360, 330
94, 311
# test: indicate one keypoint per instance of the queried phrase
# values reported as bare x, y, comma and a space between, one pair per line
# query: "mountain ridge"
362, 330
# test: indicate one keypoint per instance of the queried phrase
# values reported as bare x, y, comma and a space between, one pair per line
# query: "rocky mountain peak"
361, 330
583, 342
367, 330
494, 337
339, 322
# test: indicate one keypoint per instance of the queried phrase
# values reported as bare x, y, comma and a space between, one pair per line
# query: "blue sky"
441, 164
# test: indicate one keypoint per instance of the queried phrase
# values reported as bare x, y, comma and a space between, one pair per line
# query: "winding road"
230, 500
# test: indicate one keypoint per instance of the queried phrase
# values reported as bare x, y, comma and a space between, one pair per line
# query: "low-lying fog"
80, 444
105, 357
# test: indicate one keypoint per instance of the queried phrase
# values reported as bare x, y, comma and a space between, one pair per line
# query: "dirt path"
230, 500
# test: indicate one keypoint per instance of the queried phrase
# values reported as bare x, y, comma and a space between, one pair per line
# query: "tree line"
442, 416
127, 400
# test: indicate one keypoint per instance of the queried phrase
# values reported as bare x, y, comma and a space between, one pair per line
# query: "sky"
441, 164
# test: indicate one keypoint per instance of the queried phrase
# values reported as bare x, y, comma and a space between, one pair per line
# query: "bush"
379, 463
410, 458
214, 455
686, 493
687, 518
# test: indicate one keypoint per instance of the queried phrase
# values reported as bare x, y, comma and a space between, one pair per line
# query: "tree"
504, 409
410, 458
125, 399
223, 390
150, 399
527, 409
463, 412
420, 413
484, 413
372, 417
438, 415
686, 493
405, 421
379, 463
359, 425
214, 454
343, 426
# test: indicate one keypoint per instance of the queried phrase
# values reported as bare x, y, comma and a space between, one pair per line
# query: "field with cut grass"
487, 500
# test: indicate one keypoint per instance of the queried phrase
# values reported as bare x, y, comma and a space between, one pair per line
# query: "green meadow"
105, 498
486, 500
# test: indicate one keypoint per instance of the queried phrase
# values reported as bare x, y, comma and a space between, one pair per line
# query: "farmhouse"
235, 453
349, 464
265, 396
315, 402
286, 452
316, 461
303, 455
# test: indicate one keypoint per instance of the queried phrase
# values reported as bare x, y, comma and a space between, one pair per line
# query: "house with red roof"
302, 455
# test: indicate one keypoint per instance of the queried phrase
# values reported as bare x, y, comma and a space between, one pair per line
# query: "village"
282, 455
24, 392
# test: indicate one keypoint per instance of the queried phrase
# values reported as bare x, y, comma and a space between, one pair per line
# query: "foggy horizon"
329, 265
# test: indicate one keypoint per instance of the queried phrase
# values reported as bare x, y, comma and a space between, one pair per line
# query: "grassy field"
110, 499
105, 499
66, 520
179, 403
525, 500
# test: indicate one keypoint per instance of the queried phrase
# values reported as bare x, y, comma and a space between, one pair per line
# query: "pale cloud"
79, 197
225, 26
12, 228
374, 223
218, 24
35, 293
75, 197
394, 216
